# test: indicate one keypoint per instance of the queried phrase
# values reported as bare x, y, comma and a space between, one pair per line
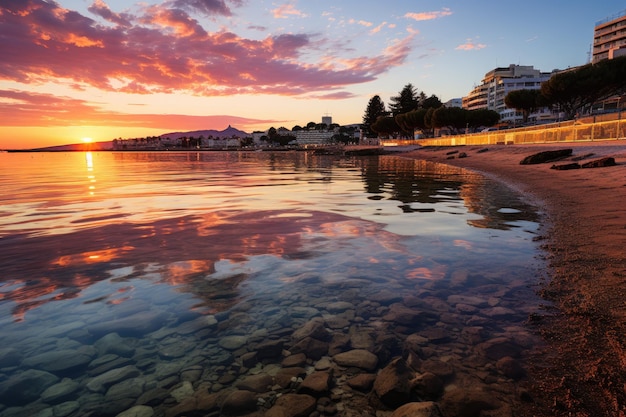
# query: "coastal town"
492, 94
436, 258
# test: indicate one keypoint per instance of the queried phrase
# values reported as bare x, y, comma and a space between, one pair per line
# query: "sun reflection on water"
90, 176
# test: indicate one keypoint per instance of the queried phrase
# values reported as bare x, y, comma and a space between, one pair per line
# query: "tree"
453, 118
481, 118
296, 128
412, 120
375, 109
578, 89
406, 101
430, 102
526, 101
386, 125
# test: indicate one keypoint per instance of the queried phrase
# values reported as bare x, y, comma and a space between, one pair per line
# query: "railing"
610, 128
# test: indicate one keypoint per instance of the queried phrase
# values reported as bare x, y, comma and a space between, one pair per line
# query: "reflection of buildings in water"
90, 173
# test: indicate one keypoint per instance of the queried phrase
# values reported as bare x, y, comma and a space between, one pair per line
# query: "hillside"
226, 133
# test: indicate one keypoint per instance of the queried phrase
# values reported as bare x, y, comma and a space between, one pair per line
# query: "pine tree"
375, 109
406, 101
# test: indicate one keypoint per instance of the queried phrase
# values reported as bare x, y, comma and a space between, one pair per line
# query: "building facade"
609, 38
499, 82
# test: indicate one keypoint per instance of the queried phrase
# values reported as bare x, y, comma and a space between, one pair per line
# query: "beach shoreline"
582, 370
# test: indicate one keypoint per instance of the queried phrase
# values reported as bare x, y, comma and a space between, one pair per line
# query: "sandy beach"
582, 372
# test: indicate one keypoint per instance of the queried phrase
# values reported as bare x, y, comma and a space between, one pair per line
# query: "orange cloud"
286, 10
429, 15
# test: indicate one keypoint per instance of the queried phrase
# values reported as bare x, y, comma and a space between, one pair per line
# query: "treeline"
410, 110
571, 92
574, 91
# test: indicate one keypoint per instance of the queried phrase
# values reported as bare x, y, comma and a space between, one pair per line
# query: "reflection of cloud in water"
463, 243
437, 272
180, 251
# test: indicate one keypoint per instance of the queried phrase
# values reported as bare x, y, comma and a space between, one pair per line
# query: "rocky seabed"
435, 351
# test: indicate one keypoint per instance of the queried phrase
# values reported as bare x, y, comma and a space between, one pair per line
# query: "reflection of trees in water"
414, 181
407, 180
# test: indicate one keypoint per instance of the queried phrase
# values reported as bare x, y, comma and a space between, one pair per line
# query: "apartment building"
498, 82
609, 38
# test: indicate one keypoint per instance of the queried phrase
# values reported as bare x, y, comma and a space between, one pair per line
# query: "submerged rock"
418, 409
392, 385
292, 405
316, 384
25, 387
467, 402
239, 402
61, 362
60, 392
358, 358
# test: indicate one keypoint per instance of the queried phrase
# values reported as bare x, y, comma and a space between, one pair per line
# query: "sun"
87, 140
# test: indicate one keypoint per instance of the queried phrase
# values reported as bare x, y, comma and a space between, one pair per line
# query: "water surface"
173, 268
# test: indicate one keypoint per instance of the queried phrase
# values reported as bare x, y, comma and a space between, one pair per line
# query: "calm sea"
150, 282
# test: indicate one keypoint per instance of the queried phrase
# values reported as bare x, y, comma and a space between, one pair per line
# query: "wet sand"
582, 372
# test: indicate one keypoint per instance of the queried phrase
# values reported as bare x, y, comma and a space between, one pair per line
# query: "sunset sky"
105, 69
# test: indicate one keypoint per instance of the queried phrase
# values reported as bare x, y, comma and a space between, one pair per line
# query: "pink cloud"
285, 10
429, 15
339, 95
165, 50
378, 28
100, 8
44, 110
208, 7
470, 45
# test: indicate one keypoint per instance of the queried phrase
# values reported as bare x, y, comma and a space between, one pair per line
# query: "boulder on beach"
546, 156
600, 163
566, 167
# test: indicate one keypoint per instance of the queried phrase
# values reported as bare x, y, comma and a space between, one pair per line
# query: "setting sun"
87, 140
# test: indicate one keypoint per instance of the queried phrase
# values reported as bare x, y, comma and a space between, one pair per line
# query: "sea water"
150, 281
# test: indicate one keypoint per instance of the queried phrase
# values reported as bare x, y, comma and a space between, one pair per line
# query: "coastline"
582, 370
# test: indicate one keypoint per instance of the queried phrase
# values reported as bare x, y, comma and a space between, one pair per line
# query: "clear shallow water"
159, 266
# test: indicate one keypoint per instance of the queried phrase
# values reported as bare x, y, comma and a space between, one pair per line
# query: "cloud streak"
420, 16
45, 110
285, 11
164, 49
470, 45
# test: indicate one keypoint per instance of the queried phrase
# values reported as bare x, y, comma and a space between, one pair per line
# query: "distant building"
499, 82
609, 38
455, 102
327, 120
314, 137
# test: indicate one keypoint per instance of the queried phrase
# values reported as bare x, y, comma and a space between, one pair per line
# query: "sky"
104, 69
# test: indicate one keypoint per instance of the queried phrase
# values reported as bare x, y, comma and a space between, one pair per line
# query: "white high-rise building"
500, 81
609, 38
